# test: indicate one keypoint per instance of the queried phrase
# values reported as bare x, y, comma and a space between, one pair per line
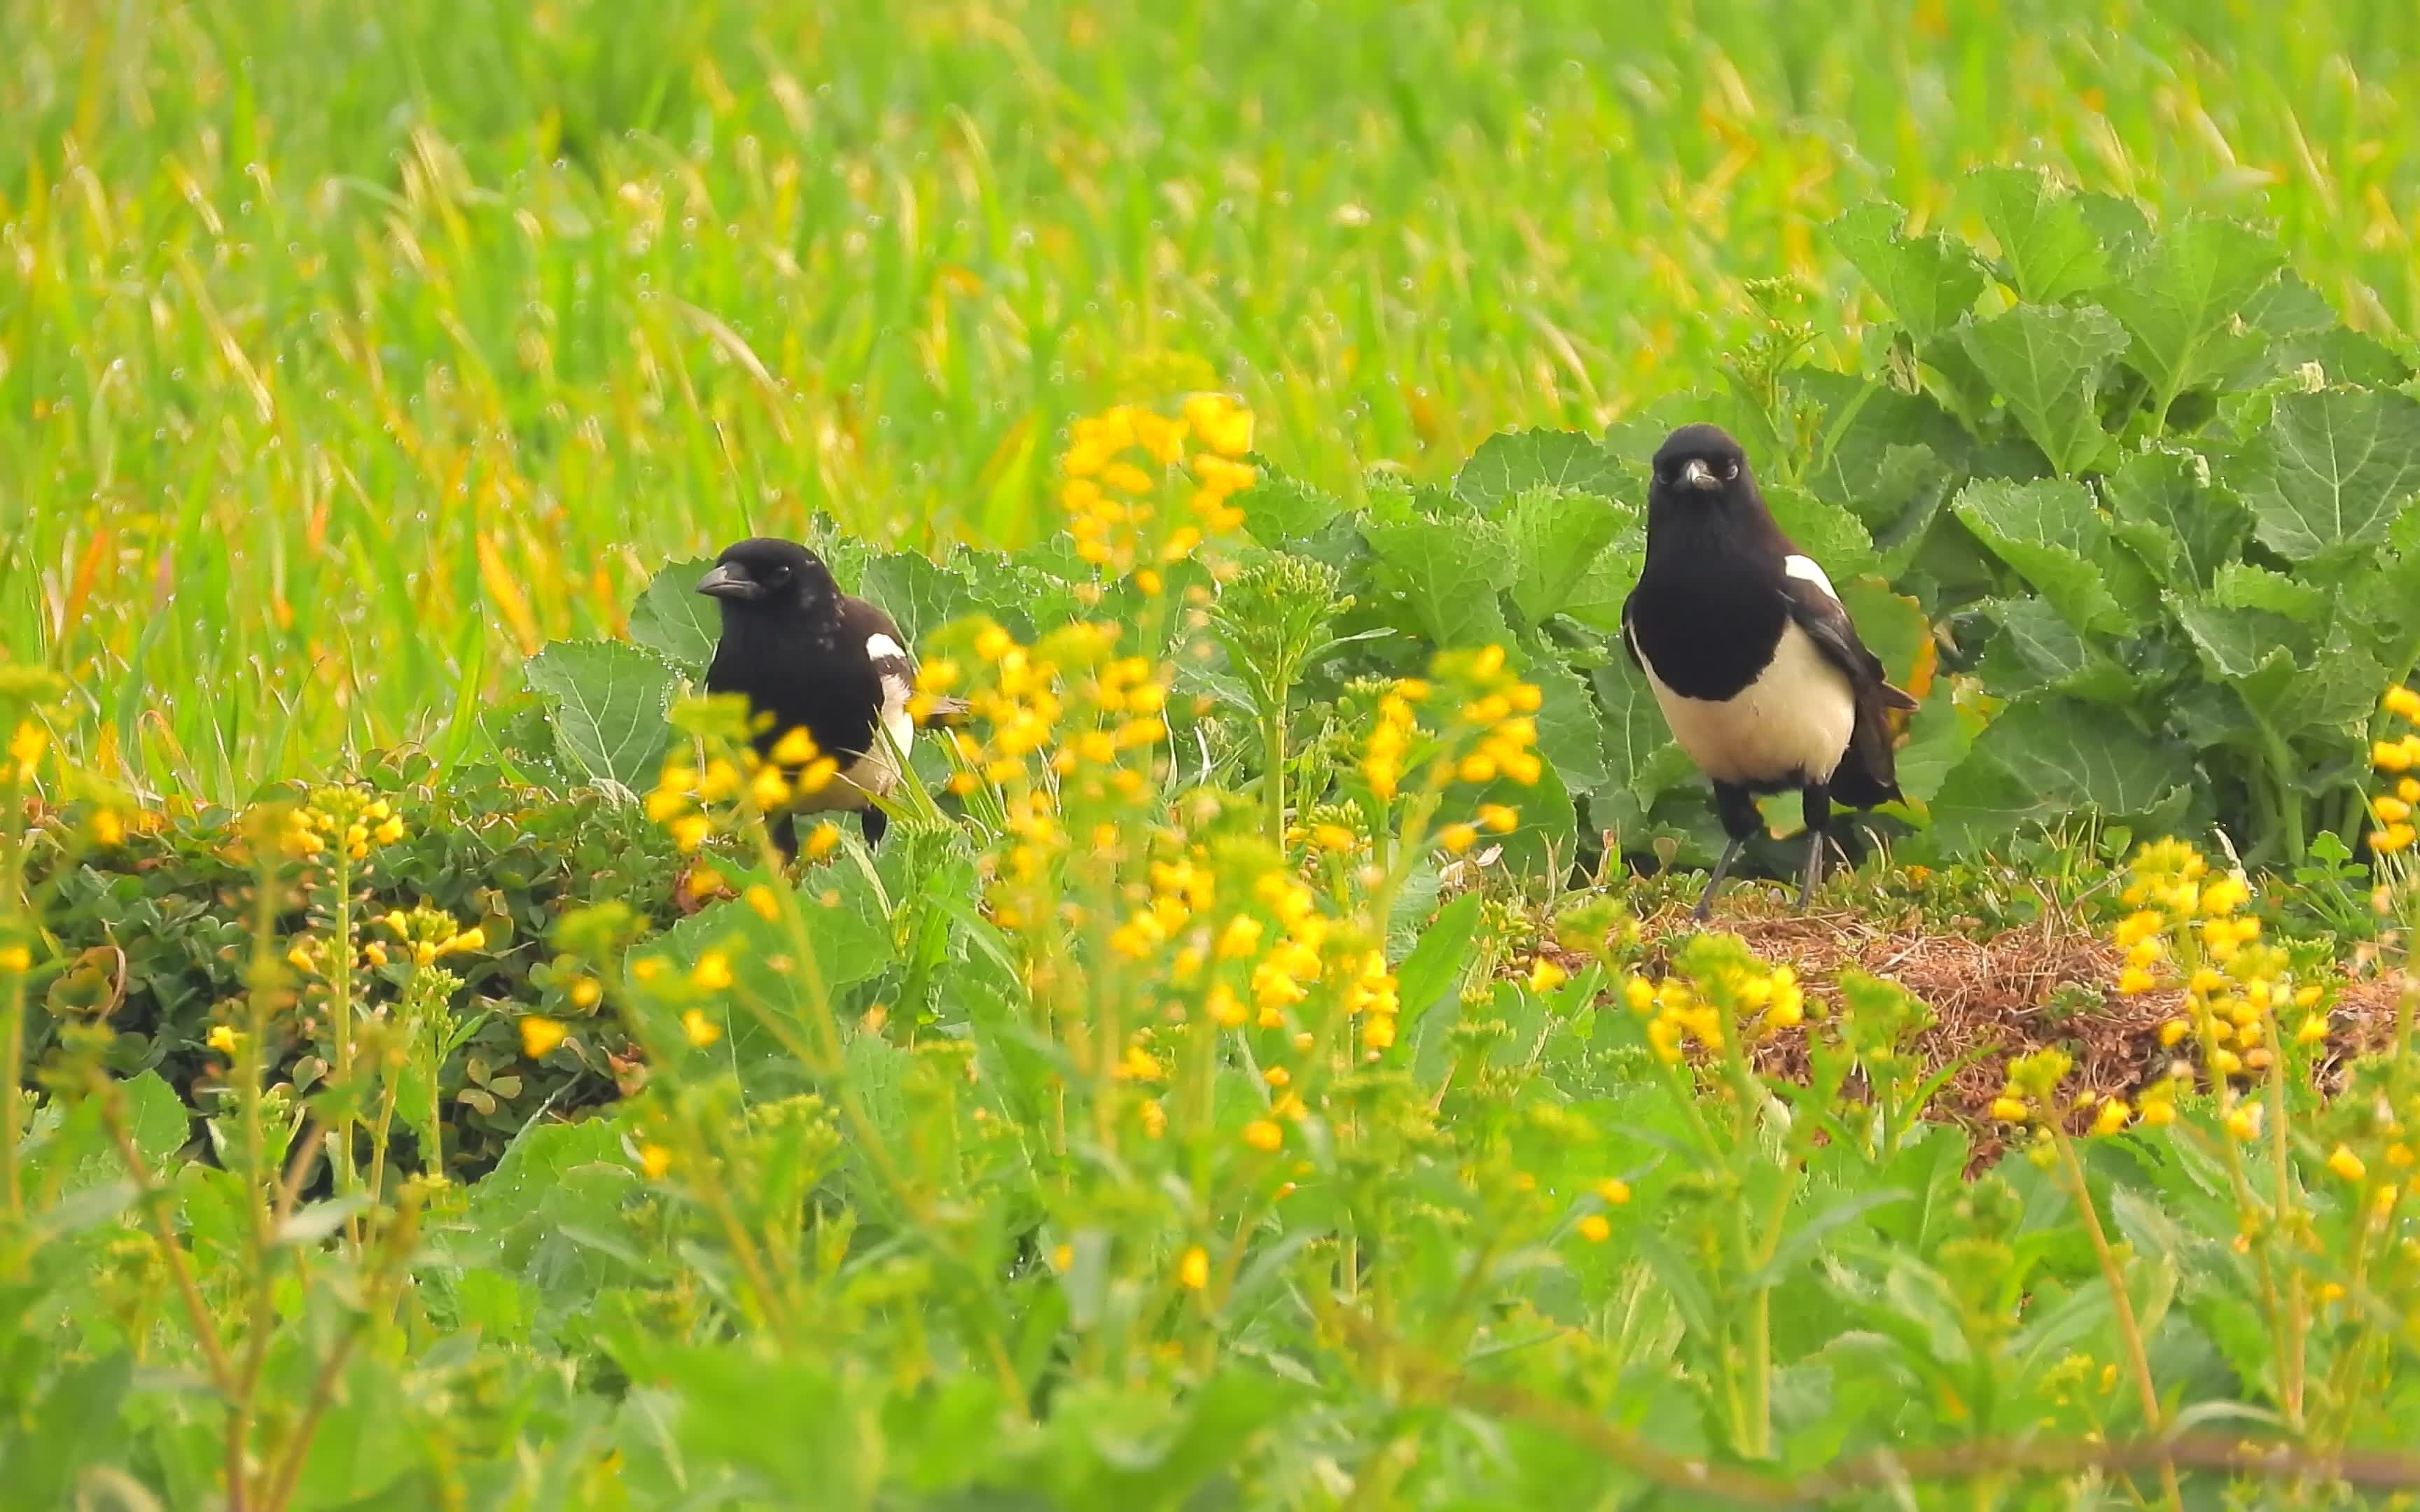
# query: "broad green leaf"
1279, 509
1571, 733
2337, 467
845, 926
1939, 735
1512, 463
1450, 571
1634, 734
1892, 625
2046, 362
2179, 519
919, 595
2044, 761
1595, 601
1909, 489
1864, 424
2048, 247
2242, 585
676, 621
1435, 964
2382, 605
1826, 532
157, 1116
607, 700
73, 1425
2180, 301
2037, 650
1929, 282
1556, 537
2050, 532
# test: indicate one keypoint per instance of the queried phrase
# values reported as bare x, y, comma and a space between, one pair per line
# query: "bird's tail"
1868, 774
941, 712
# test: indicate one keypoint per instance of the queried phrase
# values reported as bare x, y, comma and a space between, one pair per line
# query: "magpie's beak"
1696, 474
728, 580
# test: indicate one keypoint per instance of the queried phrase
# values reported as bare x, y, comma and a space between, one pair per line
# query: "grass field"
350, 351
1270, 1061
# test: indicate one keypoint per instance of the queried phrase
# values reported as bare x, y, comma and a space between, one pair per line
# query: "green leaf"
2048, 247
2049, 531
1450, 573
1939, 735
1512, 463
2042, 761
676, 621
2336, 469
2242, 585
2180, 520
2180, 301
2037, 650
1436, 963
1279, 509
607, 700
157, 1116
1556, 537
918, 594
1927, 282
1892, 625
2046, 362
1571, 735
1828, 532
1634, 735
73, 1425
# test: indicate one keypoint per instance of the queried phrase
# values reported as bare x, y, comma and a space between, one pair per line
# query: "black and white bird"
813, 658
1752, 657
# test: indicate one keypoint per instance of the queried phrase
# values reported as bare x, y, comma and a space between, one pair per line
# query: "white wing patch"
1803, 569
878, 645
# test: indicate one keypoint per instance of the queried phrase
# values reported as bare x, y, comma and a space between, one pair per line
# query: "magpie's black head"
1700, 468
769, 575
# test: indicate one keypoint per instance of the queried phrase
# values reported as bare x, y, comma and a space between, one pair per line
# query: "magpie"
815, 658
1751, 655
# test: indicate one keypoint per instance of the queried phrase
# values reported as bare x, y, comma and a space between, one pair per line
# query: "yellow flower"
2402, 701
2138, 927
2390, 756
586, 993
654, 1160
1457, 839
2011, 1109
2312, 1030
1639, 994
388, 832
820, 840
2243, 1121
1226, 1010
1334, 837
1594, 1228
691, 831
16, 958
539, 1036
1545, 976
761, 901
1614, 1191
2393, 838
26, 746
2134, 981
1378, 1033
712, 972
1194, 1269
1499, 817
1240, 939
648, 967
2347, 1164
1224, 425
1264, 1136
700, 1030
2111, 1117
223, 1039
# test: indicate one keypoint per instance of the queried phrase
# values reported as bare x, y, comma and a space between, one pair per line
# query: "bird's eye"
1731, 472
779, 574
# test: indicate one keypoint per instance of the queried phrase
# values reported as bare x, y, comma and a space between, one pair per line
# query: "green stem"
2130, 1332
1272, 744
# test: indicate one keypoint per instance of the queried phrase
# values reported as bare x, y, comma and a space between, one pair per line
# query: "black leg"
1736, 807
785, 836
1818, 811
874, 822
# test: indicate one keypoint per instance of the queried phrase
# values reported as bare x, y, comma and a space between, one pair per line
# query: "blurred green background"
349, 351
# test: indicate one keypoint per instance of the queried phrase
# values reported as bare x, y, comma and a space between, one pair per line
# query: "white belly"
1796, 716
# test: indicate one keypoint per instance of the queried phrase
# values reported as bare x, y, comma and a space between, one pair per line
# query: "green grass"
347, 351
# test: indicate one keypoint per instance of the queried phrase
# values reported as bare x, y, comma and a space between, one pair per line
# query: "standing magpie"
813, 658
1751, 655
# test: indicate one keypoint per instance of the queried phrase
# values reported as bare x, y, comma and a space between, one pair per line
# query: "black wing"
1828, 623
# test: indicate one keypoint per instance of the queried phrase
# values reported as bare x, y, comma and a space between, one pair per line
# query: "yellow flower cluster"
1490, 733
1117, 460
2188, 931
431, 934
25, 750
691, 802
1762, 1002
2398, 759
342, 820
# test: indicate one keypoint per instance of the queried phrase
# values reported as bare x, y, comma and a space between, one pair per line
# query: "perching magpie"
810, 655
1752, 657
